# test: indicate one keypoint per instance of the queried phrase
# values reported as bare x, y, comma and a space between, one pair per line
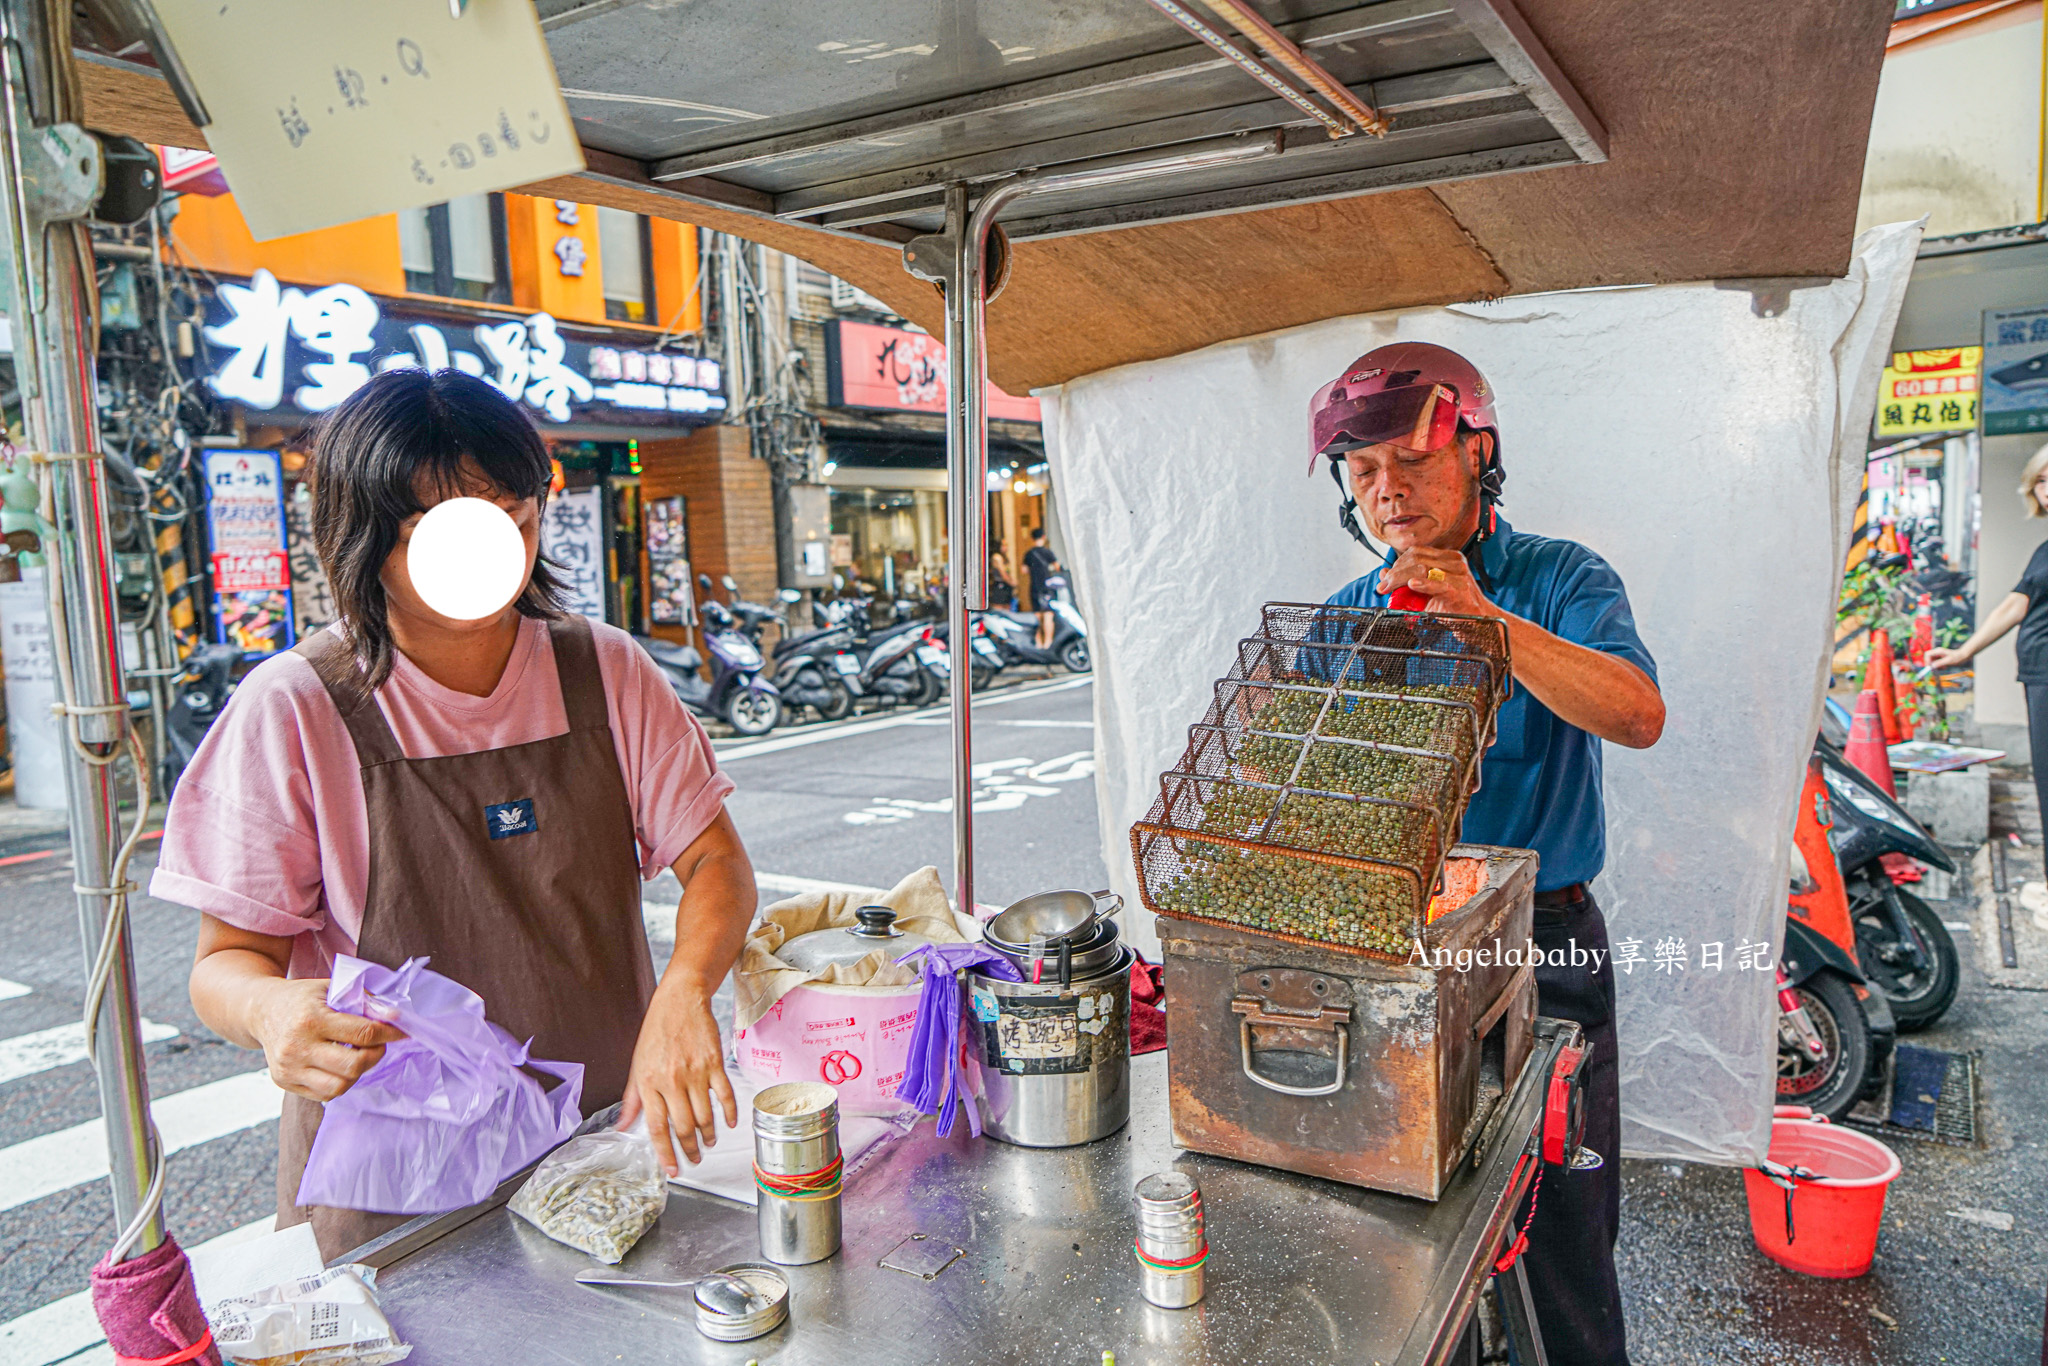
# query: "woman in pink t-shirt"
486, 793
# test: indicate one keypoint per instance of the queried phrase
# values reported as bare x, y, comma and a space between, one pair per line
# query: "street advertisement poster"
322, 114
572, 539
1924, 392
2015, 395
670, 601
312, 596
34, 741
252, 584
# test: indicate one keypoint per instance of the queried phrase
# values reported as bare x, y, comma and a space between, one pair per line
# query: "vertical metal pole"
55, 334
966, 478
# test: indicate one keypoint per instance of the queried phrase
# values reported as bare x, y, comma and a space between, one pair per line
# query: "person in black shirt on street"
1041, 564
2027, 608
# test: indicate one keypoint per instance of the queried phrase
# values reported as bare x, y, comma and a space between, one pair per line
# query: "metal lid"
874, 928
767, 1304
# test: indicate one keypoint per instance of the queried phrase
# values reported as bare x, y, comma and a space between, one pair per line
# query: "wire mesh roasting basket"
1319, 795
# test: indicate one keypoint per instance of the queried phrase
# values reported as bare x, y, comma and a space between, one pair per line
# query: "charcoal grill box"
1326, 1061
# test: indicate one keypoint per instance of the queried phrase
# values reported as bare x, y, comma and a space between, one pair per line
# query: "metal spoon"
716, 1290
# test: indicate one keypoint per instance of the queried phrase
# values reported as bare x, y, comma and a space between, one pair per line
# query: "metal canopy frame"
1461, 88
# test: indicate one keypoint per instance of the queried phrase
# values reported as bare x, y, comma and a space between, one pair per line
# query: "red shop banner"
870, 366
250, 571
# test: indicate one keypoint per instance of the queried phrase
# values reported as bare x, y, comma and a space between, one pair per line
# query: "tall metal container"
1173, 1240
1055, 1060
796, 1143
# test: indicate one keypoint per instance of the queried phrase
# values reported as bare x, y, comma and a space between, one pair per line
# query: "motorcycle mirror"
704, 582
731, 585
838, 582
790, 595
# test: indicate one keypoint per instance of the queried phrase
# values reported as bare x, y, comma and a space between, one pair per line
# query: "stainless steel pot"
874, 928
1065, 960
1052, 917
1055, 1060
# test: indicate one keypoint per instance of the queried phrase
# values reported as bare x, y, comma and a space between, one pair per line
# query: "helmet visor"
1419, 417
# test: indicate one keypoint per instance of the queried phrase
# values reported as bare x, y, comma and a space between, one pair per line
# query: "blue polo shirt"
1539, 785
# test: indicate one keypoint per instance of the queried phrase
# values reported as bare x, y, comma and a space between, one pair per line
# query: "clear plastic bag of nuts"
598, 1194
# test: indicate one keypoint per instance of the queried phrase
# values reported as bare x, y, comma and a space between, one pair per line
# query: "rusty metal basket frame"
1254, 668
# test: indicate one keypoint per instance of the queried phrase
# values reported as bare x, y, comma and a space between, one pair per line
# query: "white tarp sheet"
1710, 453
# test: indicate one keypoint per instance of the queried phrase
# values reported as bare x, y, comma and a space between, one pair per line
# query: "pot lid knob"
875, 922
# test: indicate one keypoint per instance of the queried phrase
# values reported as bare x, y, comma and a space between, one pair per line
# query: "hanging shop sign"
1929, 391
283, 349
871, 366
572, 539
2015, 397
252, 576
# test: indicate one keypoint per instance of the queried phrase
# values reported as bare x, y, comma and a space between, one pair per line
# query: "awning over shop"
1659, 140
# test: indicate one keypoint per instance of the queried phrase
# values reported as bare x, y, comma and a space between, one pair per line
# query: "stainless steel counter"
1301, 1270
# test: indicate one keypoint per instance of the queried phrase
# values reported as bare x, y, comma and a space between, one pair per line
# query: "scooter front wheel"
1829, 1084
1074, 657
838, 701
752, 712
1917, 997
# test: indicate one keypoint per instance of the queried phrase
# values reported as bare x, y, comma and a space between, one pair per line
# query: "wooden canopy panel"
1734, 135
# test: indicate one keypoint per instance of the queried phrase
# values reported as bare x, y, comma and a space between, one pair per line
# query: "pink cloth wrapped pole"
150, 1309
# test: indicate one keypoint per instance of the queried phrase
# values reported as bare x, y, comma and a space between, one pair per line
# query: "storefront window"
628, 286
456, 250
894, 545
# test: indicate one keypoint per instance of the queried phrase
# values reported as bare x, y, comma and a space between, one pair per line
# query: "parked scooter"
1900, 940
736, 693
803, 664
1015, 635
1824, 995
202, 691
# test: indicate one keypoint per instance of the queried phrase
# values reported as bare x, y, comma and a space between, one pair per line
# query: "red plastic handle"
1406, 599
1557, 1106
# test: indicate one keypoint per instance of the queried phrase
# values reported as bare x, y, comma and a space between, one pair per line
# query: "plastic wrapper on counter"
447, 1113
1320, 794
329, 1319
598, 1194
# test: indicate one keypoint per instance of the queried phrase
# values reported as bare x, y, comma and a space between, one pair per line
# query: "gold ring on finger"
1436, 576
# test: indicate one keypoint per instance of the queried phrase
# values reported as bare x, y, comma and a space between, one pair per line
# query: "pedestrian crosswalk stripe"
10, 990
69, 1157
62, 1329
26, 1054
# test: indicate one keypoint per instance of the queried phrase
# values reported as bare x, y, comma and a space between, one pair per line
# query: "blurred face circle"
467, 559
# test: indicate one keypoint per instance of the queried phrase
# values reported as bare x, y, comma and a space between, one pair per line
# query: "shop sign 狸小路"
252, 577
281, 349
2015, 390
1929, 391
871, 366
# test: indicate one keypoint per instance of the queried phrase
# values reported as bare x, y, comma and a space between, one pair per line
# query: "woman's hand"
678, 1076
313, 1051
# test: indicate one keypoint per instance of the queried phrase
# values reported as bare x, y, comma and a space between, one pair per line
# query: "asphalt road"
864, 804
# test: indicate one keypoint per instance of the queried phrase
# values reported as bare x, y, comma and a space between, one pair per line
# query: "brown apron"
515, 871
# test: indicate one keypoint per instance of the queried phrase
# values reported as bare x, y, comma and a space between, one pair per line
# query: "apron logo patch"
511, 818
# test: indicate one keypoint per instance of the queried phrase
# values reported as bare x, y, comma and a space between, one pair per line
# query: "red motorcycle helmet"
1414, 395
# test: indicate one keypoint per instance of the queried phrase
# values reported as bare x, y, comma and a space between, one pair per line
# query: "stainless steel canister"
796, 1138
1171, 1229
1055, 1059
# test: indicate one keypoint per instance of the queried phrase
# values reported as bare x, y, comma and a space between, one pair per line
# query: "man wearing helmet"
1410, 434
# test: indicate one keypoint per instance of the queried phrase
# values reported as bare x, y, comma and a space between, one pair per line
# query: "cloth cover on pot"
446, 1114
762, 979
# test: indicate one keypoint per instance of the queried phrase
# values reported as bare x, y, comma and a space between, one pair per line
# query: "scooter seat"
673, 655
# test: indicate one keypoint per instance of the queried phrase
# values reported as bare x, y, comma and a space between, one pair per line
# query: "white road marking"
1959, 926
62, 1329
1050, 725
26, 1054
775, 744
1001, 785
71, 1157
11, 990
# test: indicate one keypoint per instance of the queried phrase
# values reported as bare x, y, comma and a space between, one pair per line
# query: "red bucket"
1821, 1217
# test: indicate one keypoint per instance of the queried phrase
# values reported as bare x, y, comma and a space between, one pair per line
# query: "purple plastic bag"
931, 1074
446, 1114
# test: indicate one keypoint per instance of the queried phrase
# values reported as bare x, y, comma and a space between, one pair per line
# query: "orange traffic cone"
1866, 742
1877, 675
